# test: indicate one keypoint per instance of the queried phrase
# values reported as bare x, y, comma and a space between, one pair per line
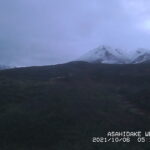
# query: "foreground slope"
64, 106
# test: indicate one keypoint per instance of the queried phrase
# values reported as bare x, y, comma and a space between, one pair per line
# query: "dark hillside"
62, 107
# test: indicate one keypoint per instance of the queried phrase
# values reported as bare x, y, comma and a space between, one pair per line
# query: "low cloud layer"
41, 32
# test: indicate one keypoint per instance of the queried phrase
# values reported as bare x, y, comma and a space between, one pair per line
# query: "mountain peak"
105, 54
108, 55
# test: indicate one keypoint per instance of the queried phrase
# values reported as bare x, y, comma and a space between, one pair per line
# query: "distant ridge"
3, 67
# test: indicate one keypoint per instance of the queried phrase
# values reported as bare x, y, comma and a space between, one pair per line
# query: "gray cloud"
40, 32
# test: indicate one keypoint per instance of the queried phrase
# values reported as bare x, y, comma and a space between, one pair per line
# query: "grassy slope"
64, 106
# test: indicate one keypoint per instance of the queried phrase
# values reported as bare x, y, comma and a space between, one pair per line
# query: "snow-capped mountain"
141, 56
105, 54
108, 55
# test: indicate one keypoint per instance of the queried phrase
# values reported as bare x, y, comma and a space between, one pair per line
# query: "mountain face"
107, 55
141, 56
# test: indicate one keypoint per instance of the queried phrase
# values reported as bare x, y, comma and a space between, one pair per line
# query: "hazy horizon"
35, 32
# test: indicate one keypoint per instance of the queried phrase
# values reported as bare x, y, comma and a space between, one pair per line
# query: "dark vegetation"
62, 107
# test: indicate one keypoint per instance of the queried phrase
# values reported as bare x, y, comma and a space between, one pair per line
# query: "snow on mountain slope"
105, 54
108, 55
141, 56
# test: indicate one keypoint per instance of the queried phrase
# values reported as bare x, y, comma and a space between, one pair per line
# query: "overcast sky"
41, 32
